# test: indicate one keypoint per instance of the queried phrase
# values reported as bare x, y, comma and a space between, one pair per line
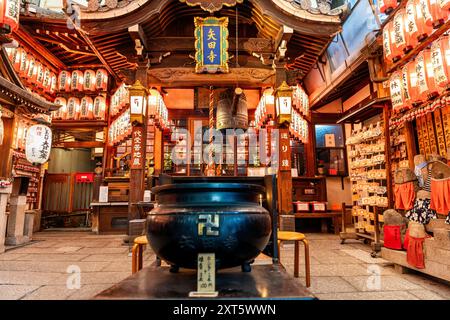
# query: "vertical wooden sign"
137, 148
285, 150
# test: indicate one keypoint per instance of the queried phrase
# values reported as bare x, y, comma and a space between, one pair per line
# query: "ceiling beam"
38, 50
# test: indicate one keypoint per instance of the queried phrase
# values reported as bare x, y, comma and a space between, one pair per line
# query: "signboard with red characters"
84, 177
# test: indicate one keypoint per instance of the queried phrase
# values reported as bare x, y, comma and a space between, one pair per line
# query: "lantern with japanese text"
64, 80
86, 108
386, 6
438, 14
101, 80
395, 85
425, 78
99, 107
39, 74
10, 52
9, 15
17, 58
73, 108
138, 102
440, 56
31, 66
444, 4
47, 83
399, 32
23, 64
269, 104
411, 30
38, 144
61, 113
153, 101
53, 83
387, 44
89, 80
283, 102
409, 84
423, 19
77, 81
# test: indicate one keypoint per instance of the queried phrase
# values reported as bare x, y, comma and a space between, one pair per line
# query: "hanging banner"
211, 44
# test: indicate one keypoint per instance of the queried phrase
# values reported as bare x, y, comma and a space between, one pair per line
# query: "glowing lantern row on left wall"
38, 144
9, 15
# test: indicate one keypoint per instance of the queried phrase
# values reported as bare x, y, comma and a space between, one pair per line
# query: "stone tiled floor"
42, 269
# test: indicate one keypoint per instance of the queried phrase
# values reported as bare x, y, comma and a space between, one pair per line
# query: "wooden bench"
324, 216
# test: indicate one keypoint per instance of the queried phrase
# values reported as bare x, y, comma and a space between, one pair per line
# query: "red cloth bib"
392, 237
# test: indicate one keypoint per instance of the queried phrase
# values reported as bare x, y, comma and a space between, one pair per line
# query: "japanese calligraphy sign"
137, 148
285, 150
38, 144
396, 91
206, 272
211, 44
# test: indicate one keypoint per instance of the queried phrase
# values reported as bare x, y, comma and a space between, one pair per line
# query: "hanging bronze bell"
232, 110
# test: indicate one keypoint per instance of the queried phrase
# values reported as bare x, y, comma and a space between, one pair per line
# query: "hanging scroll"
211, 44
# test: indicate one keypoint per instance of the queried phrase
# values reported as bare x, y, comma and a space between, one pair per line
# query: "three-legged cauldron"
226, 219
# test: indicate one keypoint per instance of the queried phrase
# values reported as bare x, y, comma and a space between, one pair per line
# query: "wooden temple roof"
100, 35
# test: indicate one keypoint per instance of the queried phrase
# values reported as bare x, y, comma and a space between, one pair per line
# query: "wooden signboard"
285, 150
420, 136
446, 124
440, 132
431, 134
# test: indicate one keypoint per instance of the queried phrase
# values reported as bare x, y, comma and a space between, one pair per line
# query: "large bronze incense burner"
222, 218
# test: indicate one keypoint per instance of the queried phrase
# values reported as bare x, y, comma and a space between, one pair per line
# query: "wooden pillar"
158, 151
310, 152
6, 146
284, 181
411, 147
139, 141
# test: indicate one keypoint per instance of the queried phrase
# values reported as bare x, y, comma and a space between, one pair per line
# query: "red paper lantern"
386, 6
409, 84
89, 80
73, 108
387, 44
425, 78
86, 108
77, 81
61, 113
411, 30
47, 82
99, 108
423, 19
399, 33
10, 52
444, 4
395, 85
23, 64
31, 66
101, 80
53, 83
64, 80
438, 15
440, 57
9, 15
17, 58
39, 74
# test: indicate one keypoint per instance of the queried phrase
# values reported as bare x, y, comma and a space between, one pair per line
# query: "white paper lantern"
38, 144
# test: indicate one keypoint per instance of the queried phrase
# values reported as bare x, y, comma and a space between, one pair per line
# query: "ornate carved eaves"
309, 21
212, 5
188, 77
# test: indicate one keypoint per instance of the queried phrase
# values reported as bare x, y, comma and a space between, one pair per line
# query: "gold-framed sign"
211, 45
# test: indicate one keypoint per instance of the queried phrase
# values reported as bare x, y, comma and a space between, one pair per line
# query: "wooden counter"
110, 217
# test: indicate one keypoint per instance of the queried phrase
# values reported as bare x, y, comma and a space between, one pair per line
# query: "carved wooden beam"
139, 38
65, 46
284, 35
38, 50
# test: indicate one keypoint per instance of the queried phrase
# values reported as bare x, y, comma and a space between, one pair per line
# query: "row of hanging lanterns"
422, 78
119, 100
77, 80
37, 74
157, 110
411, 25
120, 129
265, 111
299, 127
301, 100
84, 109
